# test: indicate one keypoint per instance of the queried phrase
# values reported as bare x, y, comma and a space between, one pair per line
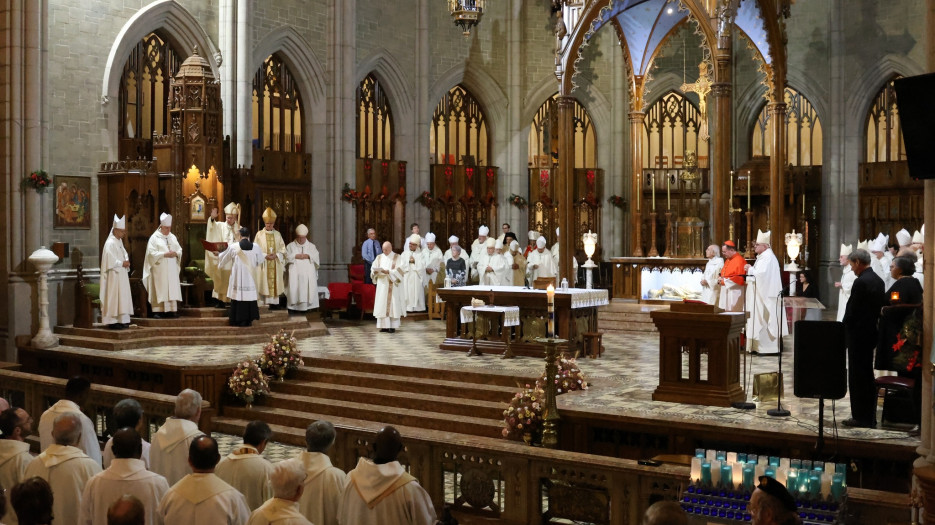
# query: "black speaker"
916, 114
820, 359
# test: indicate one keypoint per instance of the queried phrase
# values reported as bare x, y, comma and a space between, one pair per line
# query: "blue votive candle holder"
726, 470
706, 473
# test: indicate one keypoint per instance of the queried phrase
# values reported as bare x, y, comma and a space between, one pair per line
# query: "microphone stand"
779, 411
746, 405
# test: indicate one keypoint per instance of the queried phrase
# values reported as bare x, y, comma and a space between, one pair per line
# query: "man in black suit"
860, 322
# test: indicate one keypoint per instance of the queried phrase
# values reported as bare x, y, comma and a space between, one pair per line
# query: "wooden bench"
87, 299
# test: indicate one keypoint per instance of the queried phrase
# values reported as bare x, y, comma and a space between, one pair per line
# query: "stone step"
101, 339
400, 383
163, 328
297, 395
379, 416
627, 326
489, 377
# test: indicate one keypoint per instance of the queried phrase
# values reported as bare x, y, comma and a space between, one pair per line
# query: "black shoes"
385, 330
854, 423
392, 330
118, 326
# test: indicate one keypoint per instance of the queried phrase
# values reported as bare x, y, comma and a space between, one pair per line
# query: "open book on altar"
214, 246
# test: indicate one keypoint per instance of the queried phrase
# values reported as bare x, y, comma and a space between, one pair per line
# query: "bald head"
127, 510
4, 404
387, 445
127, 444
203, 454
66, 429
665, 512
387, 247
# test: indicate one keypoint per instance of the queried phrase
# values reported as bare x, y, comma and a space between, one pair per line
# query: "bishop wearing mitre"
540, 262
490, 264
161, 270
221, 232
767, 321
116, 301
269, 283
302, 260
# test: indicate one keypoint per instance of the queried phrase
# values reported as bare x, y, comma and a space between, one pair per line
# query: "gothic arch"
297, 54
487, 92
388, 71
181, 29
866, 87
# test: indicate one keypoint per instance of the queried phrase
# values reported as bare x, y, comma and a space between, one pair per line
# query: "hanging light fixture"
466, 13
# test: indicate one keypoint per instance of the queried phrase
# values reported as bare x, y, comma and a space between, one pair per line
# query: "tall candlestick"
730, 194
668, 192
550, 293
639, 193
749, 182
652, 177
803, 204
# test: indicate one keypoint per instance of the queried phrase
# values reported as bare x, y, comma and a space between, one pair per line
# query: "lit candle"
639, 192
737, 474
730, 195
826, 485
782, 473
726, 475
710, 455
762, 460
696, 470
699, 453
774, 461
731, 457
749, 183
837, 486
550, 293
759, 470
652, 178
706, 473
814, 485
791, 479
784, 462
721, 455
894, 296
715, 473
748, 476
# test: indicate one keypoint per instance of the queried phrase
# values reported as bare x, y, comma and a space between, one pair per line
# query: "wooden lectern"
699, 355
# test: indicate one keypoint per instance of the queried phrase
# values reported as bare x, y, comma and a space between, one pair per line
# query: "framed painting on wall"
72, 203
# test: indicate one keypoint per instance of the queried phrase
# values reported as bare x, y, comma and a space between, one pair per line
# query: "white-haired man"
412, 268
168, 454
116, 301
65, 467
710, 289
161, 270
287, 480
767, 321
302, 260
490, 264
540, 262
847, 280
223, 232
390, 301
432, 259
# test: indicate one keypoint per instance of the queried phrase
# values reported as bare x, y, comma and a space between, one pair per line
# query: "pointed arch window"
669, 130
543, 135
803, 131
144, 95
277, 108
884, 132
374, 121
459, 130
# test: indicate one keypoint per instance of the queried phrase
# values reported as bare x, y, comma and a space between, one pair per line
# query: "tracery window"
374, 121
884, 132
144, 89
459, 129
803, 131
671, 128
277, 108
543, 136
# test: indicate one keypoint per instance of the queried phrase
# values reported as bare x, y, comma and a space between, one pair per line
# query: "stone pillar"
226, 68
419, 165
636, 180
566, 185
341, 124
244, 85
777, 167
720, 166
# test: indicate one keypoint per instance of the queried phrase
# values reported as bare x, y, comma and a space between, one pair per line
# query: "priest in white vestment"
302, 261
202, 498
454, 241
324, 483
879, 262
390, 299
246, 469
918, 244
490, 264
506, 274
380, 491
412, 269
161, 269
77, 390
65, 467
710, 289
432, 258
478, 248
244, 257
223, 232
169, 451
767, 322
127, 413
540, 262
847, 280
126, 474
116, 301
269, 275
287, 481
15, 425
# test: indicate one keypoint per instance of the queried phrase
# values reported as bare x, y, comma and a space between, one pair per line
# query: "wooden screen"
803, 131
374, 121
459, 130
543, 136
277, 108
670, 129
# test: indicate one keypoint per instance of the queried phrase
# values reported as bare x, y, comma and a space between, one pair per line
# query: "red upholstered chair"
363, 296
355, 273
339, 300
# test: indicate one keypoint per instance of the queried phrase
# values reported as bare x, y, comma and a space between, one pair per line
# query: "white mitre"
846, 249
483, 231
415, 239
917, 237
453, 239
863, 245
903, 237
120, 223
165, 219
301, 230
878, 244
429, 237
762, 237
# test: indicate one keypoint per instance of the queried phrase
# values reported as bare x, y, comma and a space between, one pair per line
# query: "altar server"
77, 390
168, 454
246, 469
303, 260
767, 321
412, 269
224, 232
65, 467
540, 262
244, 258
116, 301
390, 301
518, 265
201, 498
287, 483
432, 259
269, 275
710, 289
161, 270
324, 483
732, 279
847, 279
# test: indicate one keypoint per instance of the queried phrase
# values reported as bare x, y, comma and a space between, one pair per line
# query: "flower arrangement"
568, 377
518, 201
617, 201
524, 414
38, 180
280, 355
907, 348
248, 382
349, 195
426, 199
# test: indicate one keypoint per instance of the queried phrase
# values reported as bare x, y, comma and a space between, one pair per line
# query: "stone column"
566, 185
721, 162
636, 180
244, 84
777, 167
226, 69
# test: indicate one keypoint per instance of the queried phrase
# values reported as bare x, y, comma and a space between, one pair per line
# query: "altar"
575, 316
